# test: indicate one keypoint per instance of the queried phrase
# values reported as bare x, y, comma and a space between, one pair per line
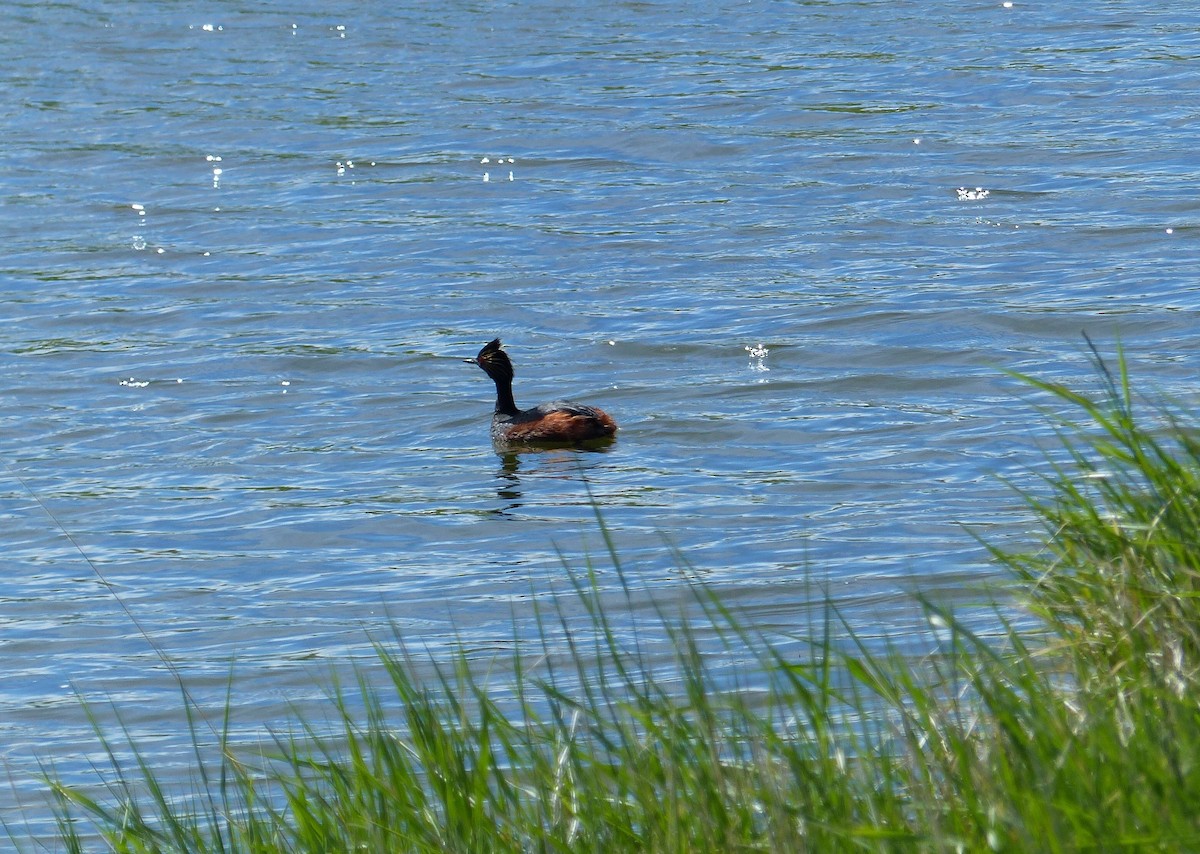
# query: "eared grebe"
560, 422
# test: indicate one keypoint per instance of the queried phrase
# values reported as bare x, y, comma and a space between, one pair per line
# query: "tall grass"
1082, 734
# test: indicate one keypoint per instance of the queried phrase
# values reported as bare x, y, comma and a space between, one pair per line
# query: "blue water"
790, 247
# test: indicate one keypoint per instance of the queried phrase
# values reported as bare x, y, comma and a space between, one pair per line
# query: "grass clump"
1080, 734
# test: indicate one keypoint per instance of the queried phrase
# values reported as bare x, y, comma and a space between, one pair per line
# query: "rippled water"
248, 248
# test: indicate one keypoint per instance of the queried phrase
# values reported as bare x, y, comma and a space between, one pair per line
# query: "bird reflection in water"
554, 462
508, 484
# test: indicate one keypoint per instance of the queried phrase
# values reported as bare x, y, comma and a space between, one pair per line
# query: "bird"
559, 422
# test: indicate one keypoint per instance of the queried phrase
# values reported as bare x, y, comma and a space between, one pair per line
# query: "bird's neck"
505, 405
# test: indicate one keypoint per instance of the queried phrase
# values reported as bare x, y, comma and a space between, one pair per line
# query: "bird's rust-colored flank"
563, 426
560, 422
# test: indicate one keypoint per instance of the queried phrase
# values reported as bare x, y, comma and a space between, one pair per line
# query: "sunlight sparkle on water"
501, 160
139, 240
217, 171
758, 358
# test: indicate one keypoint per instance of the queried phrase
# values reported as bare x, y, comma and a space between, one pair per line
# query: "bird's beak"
470, 361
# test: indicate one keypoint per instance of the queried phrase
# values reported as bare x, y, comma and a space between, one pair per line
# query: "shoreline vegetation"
1081, 731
